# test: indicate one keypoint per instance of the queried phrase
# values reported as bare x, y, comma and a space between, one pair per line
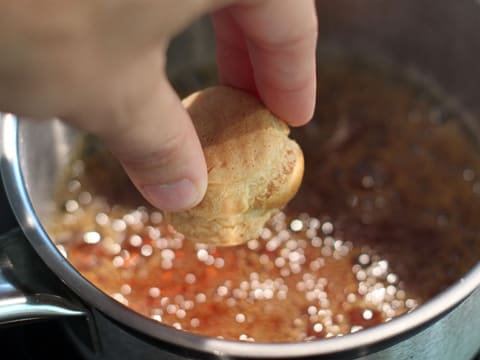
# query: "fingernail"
174, 196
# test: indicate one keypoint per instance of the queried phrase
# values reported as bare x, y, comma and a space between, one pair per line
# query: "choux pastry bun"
254, 168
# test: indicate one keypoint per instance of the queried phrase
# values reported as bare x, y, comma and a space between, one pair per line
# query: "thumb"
158, 147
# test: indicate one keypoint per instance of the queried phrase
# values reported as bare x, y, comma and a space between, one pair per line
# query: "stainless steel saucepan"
36, 282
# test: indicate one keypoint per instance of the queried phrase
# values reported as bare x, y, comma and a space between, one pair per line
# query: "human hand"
100, 65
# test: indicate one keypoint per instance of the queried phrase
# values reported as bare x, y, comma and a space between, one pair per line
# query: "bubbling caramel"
386, 218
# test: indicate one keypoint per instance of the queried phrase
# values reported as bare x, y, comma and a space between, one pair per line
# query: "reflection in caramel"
387, 217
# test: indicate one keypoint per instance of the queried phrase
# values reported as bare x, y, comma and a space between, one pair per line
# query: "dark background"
41, 340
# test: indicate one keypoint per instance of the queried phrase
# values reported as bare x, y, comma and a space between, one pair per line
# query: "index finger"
268, 47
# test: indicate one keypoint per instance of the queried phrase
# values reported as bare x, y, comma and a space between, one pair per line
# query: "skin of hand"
100, 65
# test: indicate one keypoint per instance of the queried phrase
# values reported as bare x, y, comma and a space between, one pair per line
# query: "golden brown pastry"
254, 169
